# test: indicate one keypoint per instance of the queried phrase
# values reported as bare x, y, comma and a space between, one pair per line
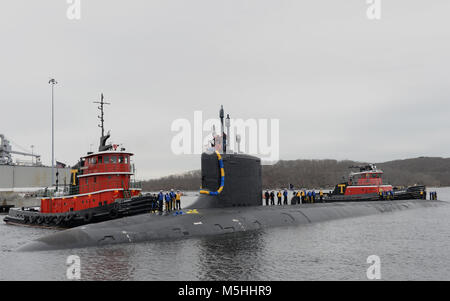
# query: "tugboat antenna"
102, 120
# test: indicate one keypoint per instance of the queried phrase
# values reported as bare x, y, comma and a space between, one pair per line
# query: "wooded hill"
325, 174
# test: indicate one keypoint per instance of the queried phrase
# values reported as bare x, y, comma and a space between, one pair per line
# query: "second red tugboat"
367, 185
101, 189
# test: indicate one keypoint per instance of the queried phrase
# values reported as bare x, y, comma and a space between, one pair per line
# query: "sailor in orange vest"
299, 197
279, 197
321, 195
178, 200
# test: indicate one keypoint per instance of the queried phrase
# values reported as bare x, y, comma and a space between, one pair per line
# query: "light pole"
32, 157
53, 82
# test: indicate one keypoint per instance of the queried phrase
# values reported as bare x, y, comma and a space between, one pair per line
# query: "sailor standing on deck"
178, 200
279, 197
160, 200
173, 196
168, 200
272, 198
267, 196
321, 195
285, 194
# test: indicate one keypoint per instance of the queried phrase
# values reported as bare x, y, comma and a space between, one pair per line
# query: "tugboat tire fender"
87, 217
69, 217
113, 213
59, 219
48, 219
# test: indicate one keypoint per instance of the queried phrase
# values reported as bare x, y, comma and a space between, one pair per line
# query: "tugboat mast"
102, 120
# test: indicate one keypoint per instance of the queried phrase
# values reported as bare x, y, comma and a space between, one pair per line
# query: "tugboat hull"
124, 207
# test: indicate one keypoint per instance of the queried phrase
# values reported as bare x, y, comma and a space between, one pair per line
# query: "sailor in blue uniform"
285, 194
160, 200
173, 197
168, 199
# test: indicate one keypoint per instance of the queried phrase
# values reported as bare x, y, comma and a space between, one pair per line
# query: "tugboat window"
99, 159
113, 159
126, 159
106, 159
120, 159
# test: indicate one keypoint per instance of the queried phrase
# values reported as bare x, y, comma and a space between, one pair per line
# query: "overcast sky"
343, 86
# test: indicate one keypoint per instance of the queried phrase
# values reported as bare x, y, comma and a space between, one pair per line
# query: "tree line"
325, 174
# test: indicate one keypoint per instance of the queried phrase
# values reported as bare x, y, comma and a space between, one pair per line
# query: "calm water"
412, 245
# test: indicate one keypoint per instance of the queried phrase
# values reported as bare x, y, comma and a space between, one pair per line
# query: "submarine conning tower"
229, 179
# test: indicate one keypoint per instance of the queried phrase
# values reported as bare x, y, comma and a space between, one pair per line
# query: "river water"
411, 244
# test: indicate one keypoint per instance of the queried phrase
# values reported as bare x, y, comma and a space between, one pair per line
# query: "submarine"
230, 201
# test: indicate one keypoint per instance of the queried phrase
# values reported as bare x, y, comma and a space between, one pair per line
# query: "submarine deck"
213, 221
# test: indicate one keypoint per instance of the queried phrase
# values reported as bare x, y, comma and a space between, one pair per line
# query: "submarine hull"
212, 221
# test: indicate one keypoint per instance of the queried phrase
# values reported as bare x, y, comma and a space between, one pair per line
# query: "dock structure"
22, 178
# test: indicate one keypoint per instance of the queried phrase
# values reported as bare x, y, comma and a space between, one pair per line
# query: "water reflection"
108, 263
235, 256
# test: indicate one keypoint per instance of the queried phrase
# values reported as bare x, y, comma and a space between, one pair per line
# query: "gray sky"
343, 86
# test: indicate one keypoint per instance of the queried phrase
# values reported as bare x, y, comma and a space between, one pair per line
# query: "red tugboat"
368, 180
367, 185
101, 189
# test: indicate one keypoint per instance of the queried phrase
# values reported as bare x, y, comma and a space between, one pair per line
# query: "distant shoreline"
325, 174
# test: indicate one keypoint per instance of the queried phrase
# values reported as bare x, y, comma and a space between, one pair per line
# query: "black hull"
213, 221
358, 198
33, 218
